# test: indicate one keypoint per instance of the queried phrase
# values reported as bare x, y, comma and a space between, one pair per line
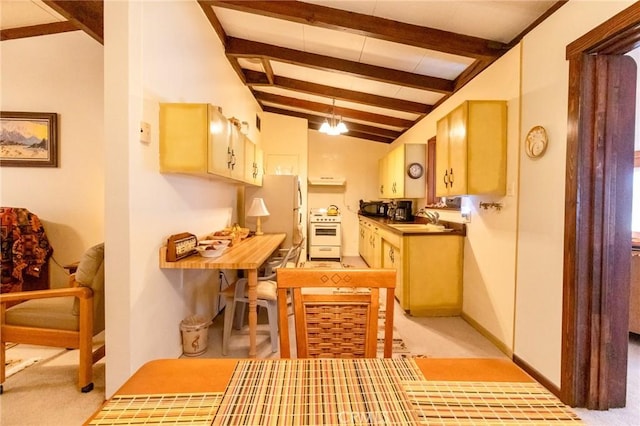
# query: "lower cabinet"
369, 243
429, 277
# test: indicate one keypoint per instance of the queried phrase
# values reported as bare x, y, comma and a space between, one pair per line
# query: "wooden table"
395, 391
248, 255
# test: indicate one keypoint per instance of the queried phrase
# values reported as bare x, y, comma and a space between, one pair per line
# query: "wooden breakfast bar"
249, 254
326, 391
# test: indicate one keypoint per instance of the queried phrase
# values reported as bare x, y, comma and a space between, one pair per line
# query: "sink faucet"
433, 217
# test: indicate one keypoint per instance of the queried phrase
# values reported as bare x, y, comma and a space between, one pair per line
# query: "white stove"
325, 235
321, 216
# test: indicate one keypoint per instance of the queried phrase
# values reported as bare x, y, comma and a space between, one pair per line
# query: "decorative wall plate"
535, 144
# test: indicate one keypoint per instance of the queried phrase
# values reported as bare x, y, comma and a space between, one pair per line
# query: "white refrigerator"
283, 198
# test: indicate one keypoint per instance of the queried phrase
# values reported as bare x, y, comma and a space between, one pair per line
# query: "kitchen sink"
427, 227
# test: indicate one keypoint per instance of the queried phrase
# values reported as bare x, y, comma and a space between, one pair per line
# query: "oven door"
325, 234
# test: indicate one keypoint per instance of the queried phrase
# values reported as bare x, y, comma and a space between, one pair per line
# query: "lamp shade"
258, 208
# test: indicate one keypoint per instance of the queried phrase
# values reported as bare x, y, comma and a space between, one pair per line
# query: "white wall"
158, 52
60, 73
530, 229
545, 73
489, 251
351, 158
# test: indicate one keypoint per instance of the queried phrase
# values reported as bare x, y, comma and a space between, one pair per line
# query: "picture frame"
28, 139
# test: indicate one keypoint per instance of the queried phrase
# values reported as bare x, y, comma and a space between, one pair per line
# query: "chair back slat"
335, 311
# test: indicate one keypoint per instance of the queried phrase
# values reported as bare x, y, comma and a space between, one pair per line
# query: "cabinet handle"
445, 178
381, 189
233, 160
391, 255
229, 157
451, 178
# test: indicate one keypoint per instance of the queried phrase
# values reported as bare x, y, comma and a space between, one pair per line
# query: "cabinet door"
362, 240
183, 138
383, 177
219, 134
434, 274
487, 147
237, 146
376, 250
397, 171
259, 161
391, 258
442, 158
249, 161
458, 150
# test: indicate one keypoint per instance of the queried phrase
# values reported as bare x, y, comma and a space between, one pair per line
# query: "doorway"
597, 213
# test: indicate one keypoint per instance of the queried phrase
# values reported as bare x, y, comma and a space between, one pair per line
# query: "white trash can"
194, 335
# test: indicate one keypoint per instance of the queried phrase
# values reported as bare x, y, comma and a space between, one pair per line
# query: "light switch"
145, 132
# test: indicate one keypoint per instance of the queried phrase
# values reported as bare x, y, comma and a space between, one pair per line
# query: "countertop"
457, 228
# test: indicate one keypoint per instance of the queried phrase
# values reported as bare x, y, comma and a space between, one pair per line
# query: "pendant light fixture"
334, 128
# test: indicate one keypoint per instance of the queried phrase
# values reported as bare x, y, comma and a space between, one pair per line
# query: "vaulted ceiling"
384, 64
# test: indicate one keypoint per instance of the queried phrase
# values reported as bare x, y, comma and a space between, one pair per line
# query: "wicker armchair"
335, 311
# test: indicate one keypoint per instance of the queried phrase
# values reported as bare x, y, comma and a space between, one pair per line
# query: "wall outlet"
466, 216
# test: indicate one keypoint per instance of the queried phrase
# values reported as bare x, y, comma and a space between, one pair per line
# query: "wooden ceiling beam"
373, 133
37, 30
213, 20
329, 110
254, 78
86, 15
371, 26
237, 47
222, 35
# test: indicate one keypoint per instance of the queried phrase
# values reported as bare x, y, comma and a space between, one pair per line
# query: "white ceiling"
24, 13
495, 21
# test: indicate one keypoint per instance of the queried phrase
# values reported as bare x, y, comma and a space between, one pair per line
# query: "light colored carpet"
320, 264
46, 392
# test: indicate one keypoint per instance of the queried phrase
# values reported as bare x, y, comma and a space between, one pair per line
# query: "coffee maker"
400, 211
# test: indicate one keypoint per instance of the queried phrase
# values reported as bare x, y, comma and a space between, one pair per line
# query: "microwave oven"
373, 208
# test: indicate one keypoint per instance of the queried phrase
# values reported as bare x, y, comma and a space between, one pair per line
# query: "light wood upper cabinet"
186, 138
394, 180
198, 139
253, 166
471, 150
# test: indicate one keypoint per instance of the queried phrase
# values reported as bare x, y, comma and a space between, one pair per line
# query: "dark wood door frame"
595, 329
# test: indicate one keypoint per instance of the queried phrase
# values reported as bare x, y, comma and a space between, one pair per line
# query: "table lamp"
258, 210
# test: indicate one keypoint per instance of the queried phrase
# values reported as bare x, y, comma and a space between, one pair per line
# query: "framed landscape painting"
28, 139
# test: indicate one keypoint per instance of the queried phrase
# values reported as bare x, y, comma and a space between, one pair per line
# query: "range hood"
327, 180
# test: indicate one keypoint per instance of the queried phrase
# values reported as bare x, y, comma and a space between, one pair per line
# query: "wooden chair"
335, 311
60, 317
237, 298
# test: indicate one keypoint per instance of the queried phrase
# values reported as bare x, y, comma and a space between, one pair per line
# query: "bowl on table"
212, 250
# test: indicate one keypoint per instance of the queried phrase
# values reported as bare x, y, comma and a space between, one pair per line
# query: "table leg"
253, 310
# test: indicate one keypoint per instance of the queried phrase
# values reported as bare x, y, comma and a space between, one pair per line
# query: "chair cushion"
267, 290
89, 265
52, 313
90, 273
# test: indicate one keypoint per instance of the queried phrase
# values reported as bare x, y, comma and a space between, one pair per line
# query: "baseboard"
486, 333
536, 375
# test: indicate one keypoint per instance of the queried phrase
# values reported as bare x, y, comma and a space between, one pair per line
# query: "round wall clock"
415, 170
535, 143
